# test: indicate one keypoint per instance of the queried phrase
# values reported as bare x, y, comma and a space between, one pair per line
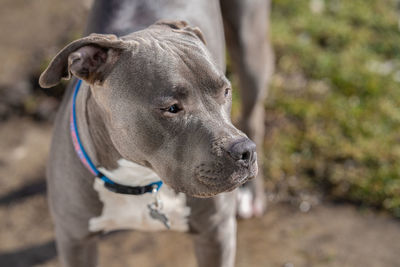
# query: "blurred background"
332, 144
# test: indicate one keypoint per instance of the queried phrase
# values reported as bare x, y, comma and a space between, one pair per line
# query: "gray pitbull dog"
154, 104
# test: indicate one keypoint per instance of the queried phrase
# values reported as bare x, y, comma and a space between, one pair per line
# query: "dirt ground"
327, 235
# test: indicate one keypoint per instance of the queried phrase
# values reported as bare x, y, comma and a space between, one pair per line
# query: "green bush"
333, 111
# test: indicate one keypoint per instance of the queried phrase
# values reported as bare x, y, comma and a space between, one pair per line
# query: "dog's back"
122, 17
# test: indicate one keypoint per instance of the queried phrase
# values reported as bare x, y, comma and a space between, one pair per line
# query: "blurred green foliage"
333, 110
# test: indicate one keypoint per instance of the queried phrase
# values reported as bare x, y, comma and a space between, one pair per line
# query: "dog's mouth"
221, 188
218, 179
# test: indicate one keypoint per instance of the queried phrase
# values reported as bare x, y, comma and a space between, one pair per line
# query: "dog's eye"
173, 109
226, 93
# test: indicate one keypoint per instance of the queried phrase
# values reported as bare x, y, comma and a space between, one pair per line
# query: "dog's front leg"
246, 24
217, 248
77, 252
72, 210
213, 223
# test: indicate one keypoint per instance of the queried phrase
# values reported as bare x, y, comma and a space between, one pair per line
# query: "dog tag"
159, 216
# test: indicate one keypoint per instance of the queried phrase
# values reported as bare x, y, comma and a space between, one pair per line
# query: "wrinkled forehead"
164, 58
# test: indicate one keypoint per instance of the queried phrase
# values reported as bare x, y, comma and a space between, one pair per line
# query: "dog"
143, 138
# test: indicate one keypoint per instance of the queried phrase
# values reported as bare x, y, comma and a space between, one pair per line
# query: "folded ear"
89, 58
182, 26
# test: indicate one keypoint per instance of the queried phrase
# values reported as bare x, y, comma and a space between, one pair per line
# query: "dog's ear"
89, 58
182, 26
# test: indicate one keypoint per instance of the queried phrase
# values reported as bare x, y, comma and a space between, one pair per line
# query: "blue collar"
84, 158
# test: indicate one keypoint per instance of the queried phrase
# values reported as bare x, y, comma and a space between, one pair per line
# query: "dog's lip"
213, 179
215, 189
217, 181
224, 185
223, 189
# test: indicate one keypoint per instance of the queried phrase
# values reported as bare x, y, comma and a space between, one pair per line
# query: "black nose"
243, 149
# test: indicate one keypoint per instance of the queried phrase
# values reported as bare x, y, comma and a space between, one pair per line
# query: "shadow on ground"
29, 256
35, 187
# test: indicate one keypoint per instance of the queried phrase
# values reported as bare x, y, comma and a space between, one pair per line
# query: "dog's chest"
132, 211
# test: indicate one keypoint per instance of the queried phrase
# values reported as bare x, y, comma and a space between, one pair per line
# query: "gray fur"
128, 79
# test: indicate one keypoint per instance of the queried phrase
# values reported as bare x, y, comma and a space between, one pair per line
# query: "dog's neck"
100, 156
93, 132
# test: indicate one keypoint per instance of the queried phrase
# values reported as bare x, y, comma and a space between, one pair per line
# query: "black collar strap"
132, 190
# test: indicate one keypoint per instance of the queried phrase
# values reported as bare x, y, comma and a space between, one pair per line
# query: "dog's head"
165, 103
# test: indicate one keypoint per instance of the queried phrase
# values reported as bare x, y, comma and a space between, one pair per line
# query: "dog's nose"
243, 149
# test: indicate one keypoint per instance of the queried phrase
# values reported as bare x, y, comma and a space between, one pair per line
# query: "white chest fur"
131, 211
